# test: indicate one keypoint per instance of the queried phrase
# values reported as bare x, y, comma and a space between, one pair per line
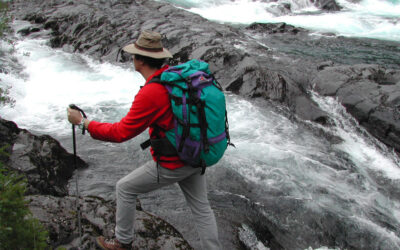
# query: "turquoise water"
378, 19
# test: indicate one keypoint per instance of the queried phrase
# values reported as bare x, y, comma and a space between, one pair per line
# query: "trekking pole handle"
73, 106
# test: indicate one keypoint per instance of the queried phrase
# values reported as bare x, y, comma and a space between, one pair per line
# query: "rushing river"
353, 176
365, 18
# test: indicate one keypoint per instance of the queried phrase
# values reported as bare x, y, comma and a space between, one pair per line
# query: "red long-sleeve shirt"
150, 106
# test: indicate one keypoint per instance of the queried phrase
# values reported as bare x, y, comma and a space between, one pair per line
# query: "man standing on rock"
151, 108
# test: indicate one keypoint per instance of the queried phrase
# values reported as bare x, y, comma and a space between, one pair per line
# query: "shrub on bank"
18, 229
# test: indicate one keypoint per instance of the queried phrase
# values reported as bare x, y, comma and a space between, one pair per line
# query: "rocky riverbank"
277, 62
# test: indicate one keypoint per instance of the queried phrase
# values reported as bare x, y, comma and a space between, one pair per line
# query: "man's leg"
139, 181
195, 190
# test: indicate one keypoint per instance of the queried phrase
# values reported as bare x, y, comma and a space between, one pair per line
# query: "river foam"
368, 18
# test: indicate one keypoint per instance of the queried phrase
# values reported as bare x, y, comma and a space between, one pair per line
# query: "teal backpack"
201, 132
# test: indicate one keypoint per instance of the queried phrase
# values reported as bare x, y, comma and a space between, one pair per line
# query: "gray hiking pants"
144, 179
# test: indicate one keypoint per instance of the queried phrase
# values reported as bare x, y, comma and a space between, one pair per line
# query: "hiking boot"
112, 244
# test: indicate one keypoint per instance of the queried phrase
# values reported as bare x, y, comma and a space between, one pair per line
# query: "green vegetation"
18, 229
4, 98
3, 17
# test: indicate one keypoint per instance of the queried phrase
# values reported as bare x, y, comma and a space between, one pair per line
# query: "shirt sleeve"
144, 111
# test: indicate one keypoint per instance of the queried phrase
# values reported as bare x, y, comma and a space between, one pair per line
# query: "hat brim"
131, 49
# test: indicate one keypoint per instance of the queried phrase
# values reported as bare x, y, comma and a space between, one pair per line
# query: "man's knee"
124, 187
129, 185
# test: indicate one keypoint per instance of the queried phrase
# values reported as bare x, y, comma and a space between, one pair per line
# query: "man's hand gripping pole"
73, 106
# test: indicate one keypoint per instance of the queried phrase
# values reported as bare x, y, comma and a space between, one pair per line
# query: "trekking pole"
73, 106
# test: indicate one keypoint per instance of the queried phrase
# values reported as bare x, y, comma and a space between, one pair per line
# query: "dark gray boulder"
370, 93
273, 28
329, 5
59, 216
46, 165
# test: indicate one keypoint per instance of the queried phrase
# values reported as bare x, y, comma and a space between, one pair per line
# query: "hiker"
151, 108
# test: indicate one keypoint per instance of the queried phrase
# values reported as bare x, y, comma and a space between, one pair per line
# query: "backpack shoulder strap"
156, 79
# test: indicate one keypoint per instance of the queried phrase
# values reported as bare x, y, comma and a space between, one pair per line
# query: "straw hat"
148, 44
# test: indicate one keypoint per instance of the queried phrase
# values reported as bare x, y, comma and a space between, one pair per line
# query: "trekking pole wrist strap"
81, 125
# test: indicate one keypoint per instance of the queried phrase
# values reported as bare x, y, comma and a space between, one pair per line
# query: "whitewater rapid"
378, 19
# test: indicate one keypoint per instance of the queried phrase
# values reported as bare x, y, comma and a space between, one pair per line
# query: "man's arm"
145, 110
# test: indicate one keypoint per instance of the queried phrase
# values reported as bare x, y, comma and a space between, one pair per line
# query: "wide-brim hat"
148, 44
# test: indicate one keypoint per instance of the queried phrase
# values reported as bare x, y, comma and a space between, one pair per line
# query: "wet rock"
330, 5
28, 31
370, 93
278, 220
8, 133
41, 159
59, 216
272, 28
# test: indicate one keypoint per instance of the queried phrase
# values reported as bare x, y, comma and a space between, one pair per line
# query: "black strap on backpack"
161, 146
194, 100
